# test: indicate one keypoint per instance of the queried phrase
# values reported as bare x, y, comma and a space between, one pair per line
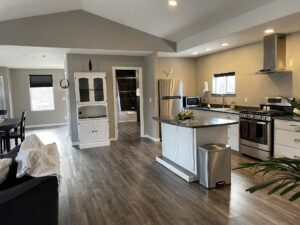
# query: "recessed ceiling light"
224, 44
173, 2
269, 31
208, 49
195, 53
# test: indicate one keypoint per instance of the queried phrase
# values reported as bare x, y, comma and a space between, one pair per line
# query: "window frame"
214, 76
52, 93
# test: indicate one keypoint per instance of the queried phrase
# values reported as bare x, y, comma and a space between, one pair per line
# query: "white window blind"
41, 93
223, 83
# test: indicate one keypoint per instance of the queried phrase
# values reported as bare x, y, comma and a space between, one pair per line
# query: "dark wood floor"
123, 185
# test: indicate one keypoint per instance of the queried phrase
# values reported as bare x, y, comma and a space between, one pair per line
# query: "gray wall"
101, 63
21, 97
183, 69
79, 29
151, 91
7, 90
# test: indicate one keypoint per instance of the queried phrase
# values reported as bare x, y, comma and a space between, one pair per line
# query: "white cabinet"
91, 102
93, 133
233, 131
178, 146
287, 138
90, 88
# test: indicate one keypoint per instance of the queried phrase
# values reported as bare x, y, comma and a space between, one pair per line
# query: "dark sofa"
28, 200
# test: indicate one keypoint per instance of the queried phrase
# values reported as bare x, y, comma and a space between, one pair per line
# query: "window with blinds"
41, 92
223, 84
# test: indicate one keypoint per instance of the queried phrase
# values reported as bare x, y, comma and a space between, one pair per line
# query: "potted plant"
280, 173
185, 115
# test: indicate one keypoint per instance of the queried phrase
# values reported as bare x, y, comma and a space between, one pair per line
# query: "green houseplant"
282, 174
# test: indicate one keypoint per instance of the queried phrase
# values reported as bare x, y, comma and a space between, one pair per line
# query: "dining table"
6, 125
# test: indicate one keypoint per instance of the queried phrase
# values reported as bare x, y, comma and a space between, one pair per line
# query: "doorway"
128, 102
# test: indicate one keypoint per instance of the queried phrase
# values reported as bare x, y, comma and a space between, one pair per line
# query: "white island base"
179, 147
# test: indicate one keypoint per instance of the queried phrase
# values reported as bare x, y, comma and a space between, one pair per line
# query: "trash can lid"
214, 147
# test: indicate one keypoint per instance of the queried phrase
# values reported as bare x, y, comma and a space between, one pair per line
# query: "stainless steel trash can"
214, 165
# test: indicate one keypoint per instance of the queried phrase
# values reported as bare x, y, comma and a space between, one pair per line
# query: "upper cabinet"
90, 88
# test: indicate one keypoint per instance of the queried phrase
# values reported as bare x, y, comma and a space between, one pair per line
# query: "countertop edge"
177, 123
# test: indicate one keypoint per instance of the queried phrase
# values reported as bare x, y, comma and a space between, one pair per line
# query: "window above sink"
224, 84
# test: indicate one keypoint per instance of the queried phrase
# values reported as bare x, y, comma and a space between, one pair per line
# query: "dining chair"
19, 133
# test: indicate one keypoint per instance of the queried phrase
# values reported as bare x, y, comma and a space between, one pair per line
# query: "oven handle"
258, 122
261, 123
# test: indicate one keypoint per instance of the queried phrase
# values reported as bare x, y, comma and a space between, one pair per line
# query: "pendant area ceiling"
155, 17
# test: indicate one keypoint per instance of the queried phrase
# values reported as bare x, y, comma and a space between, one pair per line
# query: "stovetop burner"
262, 114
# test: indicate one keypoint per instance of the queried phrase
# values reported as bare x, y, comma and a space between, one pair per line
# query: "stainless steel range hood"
274, 54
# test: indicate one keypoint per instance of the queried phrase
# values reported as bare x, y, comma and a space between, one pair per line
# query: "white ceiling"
194, 24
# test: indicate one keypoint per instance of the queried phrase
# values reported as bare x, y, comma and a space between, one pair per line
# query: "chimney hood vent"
274, 54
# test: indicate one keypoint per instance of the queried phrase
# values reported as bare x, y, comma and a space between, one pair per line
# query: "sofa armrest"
33, 202
18, 190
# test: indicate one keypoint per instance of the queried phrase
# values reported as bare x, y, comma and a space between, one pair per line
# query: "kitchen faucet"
223, 100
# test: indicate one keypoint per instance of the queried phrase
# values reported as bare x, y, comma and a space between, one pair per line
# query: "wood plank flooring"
123, 185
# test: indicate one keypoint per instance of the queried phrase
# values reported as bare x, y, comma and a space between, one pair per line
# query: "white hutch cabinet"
91, 101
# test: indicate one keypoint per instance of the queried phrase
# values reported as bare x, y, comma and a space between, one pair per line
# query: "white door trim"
140, 75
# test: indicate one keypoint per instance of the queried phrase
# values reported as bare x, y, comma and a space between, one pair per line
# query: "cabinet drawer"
287, 125
281, 150
287, 138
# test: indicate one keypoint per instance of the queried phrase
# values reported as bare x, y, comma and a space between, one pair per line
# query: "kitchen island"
180, 140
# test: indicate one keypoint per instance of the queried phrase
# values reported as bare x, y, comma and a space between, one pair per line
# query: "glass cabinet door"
98, 89
84, 91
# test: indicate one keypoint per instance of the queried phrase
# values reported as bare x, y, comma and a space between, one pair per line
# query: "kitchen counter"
221, 110
180, 140
288, 118
201, 122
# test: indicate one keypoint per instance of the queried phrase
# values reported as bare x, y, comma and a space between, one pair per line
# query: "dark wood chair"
19, 133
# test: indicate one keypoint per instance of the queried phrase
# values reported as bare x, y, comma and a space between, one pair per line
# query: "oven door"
256, 134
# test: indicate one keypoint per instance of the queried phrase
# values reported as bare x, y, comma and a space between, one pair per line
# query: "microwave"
191, 101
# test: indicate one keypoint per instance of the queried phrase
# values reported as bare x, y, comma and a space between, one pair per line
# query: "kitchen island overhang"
180, 140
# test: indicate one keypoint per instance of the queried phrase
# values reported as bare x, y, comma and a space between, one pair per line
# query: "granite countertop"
221, 110
196, 123
288, 118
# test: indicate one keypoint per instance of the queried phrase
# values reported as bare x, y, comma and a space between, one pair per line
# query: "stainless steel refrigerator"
170, 97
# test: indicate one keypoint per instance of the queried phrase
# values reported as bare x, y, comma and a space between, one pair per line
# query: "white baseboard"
113, 139
152, 138
189, 177
46, 125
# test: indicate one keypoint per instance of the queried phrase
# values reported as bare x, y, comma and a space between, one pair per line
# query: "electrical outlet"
150, 100
291, 63
246, 100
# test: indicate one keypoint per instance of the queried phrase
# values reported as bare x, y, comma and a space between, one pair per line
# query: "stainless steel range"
256, 128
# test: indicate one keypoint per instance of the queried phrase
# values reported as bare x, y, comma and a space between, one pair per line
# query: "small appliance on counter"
191, 101
257, 127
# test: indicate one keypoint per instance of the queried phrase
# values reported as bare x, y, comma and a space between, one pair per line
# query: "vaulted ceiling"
194, 25
155, 17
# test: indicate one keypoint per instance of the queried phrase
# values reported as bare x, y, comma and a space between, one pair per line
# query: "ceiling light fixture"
224, 44
269, 31
195, 53
208, 49
173, 2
